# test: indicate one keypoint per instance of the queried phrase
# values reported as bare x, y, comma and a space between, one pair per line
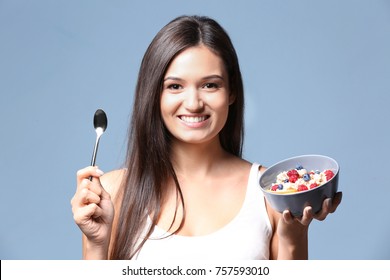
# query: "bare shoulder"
111, 181
239, 164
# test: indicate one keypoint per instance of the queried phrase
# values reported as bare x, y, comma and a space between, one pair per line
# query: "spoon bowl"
100, 121
100, 124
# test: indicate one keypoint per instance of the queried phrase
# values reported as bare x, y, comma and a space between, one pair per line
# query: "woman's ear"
232, 98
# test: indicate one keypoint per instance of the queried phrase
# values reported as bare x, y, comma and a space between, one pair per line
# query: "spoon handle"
95, 149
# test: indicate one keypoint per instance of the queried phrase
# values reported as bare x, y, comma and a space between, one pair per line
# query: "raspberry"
293, 175
302, 188
274, 187
292, 172
328, 174
293, 178
314, 185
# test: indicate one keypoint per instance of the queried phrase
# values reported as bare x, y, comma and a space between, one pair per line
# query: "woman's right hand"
93, 210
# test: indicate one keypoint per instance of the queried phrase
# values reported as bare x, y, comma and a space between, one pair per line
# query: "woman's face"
195, 98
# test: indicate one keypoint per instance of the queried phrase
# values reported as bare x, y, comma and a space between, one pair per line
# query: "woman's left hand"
329, 205
291, 229
292, 232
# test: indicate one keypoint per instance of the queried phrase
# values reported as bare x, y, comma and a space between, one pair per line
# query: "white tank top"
246, 237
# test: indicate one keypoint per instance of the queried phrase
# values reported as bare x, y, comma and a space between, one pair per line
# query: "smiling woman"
195, 98
185, 191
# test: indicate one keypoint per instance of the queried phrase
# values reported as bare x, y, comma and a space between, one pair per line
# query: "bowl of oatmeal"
300, 181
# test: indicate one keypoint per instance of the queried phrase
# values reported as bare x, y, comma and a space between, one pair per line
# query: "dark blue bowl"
297, 201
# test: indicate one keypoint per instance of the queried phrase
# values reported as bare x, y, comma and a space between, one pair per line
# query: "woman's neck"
198, 159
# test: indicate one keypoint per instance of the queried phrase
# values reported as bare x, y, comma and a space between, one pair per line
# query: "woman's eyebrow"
214, 77
172, 78
203, 78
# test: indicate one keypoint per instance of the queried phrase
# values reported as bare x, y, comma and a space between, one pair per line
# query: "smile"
194, 119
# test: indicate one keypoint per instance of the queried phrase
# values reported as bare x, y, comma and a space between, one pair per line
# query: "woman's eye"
211, 85
174, 87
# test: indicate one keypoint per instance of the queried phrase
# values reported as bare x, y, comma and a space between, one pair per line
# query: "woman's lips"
194, 121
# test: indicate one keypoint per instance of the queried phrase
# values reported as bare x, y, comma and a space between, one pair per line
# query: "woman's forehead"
197, 61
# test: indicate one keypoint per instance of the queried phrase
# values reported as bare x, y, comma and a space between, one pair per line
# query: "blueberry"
306, 177
280, 187
299, 167
318, 172
285, 181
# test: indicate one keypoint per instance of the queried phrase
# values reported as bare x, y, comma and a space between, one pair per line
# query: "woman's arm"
290, 238
290, 234
93, 211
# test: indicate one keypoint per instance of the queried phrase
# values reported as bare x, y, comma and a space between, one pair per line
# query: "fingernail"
99, 172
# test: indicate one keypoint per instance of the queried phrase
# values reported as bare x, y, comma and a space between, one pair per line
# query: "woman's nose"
193, 100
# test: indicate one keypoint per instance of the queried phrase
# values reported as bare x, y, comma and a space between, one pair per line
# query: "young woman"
185, 191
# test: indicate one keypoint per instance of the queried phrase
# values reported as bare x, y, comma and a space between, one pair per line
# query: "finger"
87, 172
326, 206
84, 214
79, 197
93, 186
336, 202
88, 197
83, 184
307, 216
287, 217
84, 196
96, 187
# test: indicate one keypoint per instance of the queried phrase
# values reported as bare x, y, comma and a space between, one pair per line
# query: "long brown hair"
148, 154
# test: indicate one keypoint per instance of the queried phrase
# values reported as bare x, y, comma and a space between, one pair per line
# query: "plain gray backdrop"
316, 77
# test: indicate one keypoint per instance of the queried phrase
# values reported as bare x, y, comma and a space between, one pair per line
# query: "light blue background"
317, 80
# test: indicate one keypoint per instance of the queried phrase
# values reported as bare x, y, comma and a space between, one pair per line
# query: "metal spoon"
100, 124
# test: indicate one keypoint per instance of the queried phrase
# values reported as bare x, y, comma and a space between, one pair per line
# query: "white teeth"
193, 119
